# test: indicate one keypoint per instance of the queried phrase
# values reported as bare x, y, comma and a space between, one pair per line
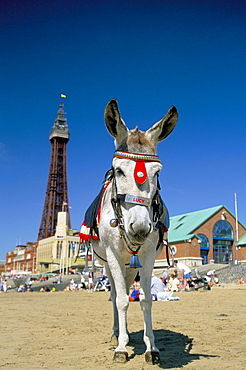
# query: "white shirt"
156, 285
182, 266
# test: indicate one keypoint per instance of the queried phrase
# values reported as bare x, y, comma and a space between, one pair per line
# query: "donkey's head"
136, 167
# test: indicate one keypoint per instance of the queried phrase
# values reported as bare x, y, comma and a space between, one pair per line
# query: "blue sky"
148, 55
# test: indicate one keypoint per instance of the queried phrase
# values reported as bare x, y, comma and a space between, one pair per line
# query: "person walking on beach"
185, 273
5, 286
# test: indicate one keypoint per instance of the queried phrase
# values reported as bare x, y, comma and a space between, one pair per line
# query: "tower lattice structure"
56, 199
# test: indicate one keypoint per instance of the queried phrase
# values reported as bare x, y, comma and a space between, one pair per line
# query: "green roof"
242, 240
182, 227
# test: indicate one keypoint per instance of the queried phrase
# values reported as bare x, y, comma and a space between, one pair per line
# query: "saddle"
89, 228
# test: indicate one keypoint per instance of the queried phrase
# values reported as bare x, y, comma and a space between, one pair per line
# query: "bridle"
140, 175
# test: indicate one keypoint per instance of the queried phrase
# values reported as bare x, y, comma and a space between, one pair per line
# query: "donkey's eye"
119, 172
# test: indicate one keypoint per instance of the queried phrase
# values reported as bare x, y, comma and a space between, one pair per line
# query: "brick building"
211, 235
2, 267
22, 259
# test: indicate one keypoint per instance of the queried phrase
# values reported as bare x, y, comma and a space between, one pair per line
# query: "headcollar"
140, 173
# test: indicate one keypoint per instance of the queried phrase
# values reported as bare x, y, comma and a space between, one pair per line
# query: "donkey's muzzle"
138, 233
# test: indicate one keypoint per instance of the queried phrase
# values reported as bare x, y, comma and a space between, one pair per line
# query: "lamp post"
236, 214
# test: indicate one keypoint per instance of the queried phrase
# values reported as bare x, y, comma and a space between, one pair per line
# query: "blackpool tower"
56, 199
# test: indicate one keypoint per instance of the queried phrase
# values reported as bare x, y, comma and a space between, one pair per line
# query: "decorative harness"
140, 176
160, 213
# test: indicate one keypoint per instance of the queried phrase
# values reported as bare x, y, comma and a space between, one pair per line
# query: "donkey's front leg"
115, 329
152, 352
117, 270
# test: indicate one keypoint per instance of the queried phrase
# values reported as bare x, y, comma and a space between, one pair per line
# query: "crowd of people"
178, 280
84, 283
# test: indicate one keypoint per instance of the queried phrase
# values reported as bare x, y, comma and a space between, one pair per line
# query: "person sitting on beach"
72, 285
157, 287
211, 273
209, 281
185, 273
174, 284
5, 286
240, 281
134, 296
159, 291
164, 277
216, 279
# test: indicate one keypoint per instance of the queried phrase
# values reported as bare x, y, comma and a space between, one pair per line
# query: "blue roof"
182, 227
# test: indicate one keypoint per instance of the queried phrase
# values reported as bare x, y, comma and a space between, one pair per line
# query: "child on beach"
240, 281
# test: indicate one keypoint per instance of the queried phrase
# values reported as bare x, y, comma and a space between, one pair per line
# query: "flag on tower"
63, 96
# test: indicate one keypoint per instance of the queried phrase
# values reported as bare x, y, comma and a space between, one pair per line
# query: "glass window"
204, 248
204, 241
222, 251
222, 244
223, 230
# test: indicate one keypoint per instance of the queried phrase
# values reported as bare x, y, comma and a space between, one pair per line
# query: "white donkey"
132, 218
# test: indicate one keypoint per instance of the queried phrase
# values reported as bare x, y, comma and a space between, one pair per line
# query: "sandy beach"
71, 330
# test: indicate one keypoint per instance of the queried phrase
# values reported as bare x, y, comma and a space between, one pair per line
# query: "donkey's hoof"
120, 357
152, 358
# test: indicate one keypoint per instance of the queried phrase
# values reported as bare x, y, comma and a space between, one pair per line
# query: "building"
58, 253
2, 267
22, 260
242, 242
56, 199
211, 235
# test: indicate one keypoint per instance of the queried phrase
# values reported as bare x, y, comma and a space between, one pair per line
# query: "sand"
71, 330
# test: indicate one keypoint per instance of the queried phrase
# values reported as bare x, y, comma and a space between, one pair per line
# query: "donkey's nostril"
140, 230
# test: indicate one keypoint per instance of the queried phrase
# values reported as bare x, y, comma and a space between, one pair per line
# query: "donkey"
131, 221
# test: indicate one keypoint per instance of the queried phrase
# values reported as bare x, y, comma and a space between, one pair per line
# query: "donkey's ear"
160, 130
115, 124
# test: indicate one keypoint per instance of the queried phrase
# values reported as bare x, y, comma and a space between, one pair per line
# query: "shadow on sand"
174, 348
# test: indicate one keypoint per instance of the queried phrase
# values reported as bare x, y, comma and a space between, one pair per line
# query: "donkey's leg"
115, 329
152, 352
117, 270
